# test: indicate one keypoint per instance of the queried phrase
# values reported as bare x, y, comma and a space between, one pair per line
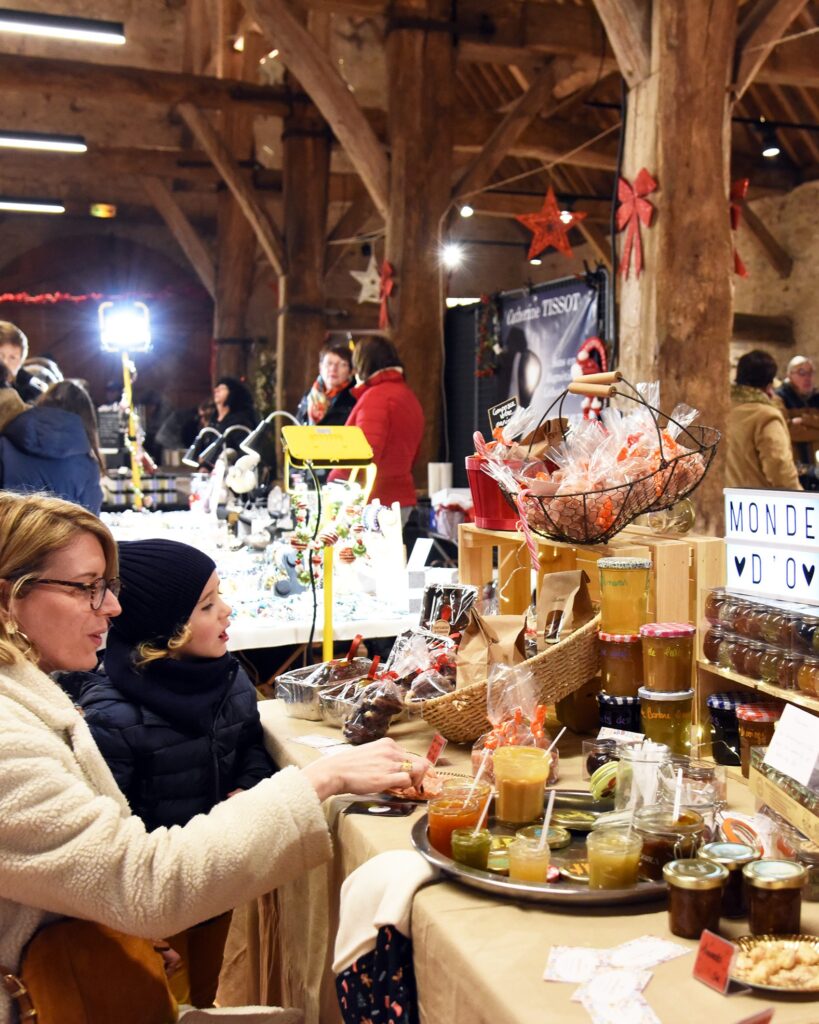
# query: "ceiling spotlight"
56, 26
770, 143
452, 255
239, 44
42, 141
31, 206
566, 216
536, 261
467, 210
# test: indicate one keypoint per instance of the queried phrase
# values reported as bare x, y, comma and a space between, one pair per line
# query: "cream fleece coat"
69, 845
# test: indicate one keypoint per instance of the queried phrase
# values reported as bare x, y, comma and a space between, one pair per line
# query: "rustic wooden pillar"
236, 241
675, 319
420, 66
306, 176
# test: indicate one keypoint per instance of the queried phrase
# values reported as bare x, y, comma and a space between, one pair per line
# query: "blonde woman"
69, 844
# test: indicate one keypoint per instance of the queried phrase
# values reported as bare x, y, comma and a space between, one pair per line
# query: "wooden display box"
791, 810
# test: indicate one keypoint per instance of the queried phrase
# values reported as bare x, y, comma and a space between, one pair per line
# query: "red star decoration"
386, 290
548, 229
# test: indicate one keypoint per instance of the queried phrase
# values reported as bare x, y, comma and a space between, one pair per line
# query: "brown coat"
758, 449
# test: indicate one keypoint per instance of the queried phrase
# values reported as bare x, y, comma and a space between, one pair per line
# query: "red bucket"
492, 510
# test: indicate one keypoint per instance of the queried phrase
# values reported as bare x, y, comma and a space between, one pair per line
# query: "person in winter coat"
392, 420
330, 400
798, 394
758, 449
48, 448
69, 844
175, 716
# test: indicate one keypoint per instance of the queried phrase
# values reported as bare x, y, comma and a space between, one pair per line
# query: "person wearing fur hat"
175, 716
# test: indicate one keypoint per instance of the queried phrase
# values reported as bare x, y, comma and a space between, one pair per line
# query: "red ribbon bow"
634, 208
739, 189
386, 288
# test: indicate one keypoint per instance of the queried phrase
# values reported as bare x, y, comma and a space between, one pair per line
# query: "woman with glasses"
175, 716
70, 846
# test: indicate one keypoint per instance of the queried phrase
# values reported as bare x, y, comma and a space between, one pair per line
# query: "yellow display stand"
320, 447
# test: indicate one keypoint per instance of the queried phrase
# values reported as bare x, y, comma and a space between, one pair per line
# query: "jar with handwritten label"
666, 718
668, 655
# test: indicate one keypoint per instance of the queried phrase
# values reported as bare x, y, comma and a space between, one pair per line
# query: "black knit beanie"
162, 581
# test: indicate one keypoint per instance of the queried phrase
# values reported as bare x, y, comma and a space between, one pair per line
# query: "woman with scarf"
330, 400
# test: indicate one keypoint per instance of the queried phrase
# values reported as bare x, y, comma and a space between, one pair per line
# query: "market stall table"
477, 959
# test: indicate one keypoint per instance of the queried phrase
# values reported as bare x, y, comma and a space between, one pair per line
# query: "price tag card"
634, 1010
715, 957
647, 951
607, 733
436, 748
572, 963
318, 742
794, 749
500, 414
612, 985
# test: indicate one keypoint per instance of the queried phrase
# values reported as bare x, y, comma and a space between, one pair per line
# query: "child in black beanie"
175, 716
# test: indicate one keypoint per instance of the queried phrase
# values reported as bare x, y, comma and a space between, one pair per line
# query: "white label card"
572, 963
794, 749
784, 572
773, 517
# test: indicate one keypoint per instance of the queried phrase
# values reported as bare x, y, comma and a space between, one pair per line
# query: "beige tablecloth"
478, 960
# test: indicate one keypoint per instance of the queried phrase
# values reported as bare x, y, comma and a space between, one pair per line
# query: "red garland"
634, 208
53, 298
739, 189
548, 228
385, 290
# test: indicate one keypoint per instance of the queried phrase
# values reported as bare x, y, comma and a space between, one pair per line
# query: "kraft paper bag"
547, 436
563, 606
489, 640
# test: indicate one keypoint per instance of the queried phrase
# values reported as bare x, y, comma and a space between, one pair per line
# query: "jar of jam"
722, 708
774, 896
729, 609
666, 718
668, 655
804, 634
726, 651
769, 665
598, 753
756, 728
621, 663
807, 676
666, 838
711, 643
752, 659
776, 628
738, 652
695, 889
748, 622
619, 712
733, 857
713, 603
787, 673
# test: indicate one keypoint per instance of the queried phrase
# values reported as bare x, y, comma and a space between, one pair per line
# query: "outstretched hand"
370, 768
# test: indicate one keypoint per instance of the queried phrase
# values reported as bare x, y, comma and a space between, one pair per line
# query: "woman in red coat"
390, 416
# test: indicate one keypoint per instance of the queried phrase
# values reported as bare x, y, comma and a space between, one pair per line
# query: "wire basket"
594, 517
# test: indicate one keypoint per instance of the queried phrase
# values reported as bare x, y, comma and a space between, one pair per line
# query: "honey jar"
666, 718
668, 655
694, 896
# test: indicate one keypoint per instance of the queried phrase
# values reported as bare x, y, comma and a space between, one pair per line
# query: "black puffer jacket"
178, 736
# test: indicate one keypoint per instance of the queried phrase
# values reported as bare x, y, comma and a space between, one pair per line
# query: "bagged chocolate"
563, 605
488, 641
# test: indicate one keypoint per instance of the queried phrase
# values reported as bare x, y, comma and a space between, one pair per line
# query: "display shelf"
779, 801
803, 700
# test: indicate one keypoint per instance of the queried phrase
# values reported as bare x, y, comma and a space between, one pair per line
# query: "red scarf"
318, 401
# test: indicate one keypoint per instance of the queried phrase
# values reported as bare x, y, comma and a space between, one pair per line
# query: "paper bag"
547, 436
563, 606
489, 640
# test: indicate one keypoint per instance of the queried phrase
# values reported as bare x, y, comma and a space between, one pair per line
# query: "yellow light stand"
328, 448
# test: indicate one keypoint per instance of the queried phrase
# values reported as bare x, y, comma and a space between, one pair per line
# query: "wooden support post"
675, 319
301, 325
420, 69
628, 26
183, 231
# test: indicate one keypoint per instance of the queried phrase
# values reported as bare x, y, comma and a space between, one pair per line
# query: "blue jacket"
176, 753
47, 449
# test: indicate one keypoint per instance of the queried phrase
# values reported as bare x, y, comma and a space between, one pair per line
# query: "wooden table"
477, 959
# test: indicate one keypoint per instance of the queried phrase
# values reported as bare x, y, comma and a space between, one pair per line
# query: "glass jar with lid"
623, 593
807, 677
667, 838
733, 857
752, 659
807, 853
621, 663
774, 896
722, 707
668, 655
711, 643
619, 712
695, 890
755, 723
638, 774
666, 718
713, 603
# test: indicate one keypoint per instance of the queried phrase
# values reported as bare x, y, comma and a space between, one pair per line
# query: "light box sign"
772, 545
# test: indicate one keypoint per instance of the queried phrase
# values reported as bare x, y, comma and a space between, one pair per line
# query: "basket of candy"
604, 473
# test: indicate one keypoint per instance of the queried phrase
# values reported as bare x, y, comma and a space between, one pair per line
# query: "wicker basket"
460, 716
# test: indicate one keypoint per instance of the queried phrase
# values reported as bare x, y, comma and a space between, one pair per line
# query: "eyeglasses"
96, 589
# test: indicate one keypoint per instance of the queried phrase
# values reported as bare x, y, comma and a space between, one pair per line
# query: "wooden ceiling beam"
761, 29
183, 231
319, 77
79, 79
755, 327
628, 27
267, 234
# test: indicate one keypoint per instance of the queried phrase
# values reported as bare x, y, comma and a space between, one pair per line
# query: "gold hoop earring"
19, 638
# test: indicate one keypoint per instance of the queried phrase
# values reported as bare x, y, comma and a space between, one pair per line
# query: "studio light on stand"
125, 327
